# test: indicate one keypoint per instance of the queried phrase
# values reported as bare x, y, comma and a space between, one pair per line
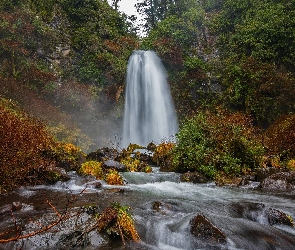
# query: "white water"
149, 114
238, 212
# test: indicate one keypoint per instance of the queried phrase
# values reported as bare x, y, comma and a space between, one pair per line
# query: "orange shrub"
23, 142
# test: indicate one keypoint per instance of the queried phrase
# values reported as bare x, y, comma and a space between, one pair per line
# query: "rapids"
238, 212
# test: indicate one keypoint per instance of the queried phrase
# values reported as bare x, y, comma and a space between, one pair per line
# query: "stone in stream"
258, 212
202, 228
278, 217
263, 173
103, 154
53, 174
111, 164
194, 177
16, 206
283, 180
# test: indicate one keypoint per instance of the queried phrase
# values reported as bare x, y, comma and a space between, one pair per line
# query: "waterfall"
149, 114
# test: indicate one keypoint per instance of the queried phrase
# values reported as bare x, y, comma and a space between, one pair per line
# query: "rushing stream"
238, 212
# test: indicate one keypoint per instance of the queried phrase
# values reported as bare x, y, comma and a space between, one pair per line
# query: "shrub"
132, 164
219, 141
280, 136
291, 164
92, 168
162, 155
113, 178
24, 140
118, 220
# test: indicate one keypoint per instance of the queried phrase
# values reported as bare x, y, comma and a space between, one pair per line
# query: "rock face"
283, 180
194, 177
202, 228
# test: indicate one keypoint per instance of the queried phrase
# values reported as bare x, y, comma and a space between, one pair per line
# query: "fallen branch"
61, 217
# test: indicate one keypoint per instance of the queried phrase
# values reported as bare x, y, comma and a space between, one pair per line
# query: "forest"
230, 66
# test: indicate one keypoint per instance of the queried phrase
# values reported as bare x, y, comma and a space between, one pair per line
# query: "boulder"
103, 154
111, 164
283, 181
16, 206
53, 174
278, 217
202, 228
234, 181
160, 206
263, 173
258, 212
194, 177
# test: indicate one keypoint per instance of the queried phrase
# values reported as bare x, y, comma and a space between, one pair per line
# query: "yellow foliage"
113, 178
161, 154
127, 225
118, 220
291, 164
92, 168
131, 164
148, 169
132, 147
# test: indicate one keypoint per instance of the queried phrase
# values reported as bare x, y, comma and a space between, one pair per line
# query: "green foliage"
260, 89
263, 30
256, 44
213, 142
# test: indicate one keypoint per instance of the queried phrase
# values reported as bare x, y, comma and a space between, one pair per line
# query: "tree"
256, 44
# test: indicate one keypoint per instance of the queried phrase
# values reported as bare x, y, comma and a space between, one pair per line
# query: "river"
162, 208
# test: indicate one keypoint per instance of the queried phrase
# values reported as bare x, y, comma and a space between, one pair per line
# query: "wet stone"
263, 173
194, 177
16, 206
111, 164
283, 180
103, 154
278, 217
202, 228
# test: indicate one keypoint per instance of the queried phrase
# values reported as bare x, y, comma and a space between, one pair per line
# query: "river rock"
283, 180
258, 212
160, 206
53, 174
194, 177
202, 228
111, 164
263, 173
16, 206
278, 217
103, 154
234, 181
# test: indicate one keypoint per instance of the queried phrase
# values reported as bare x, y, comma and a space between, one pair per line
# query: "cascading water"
149, 114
